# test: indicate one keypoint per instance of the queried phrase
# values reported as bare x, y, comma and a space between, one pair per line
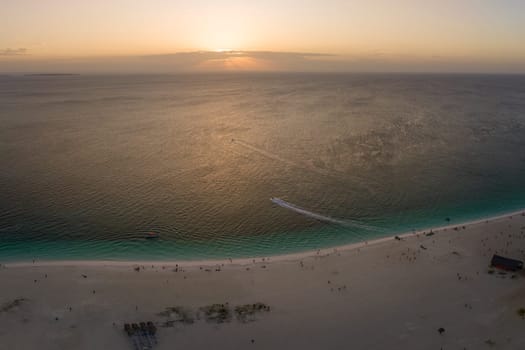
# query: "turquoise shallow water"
91, 164
324, 236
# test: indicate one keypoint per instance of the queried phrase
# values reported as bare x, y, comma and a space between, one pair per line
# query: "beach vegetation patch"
177, 314
217, 313
213, 313
246, 313
5, 307
521, 312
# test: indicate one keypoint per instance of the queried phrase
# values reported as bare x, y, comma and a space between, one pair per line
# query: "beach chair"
128, 330
145, 333
137, 333
131, 333
152, 330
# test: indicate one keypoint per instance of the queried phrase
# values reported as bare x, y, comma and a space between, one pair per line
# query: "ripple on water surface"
90, 165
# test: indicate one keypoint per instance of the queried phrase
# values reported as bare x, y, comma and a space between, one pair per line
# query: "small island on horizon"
49, 74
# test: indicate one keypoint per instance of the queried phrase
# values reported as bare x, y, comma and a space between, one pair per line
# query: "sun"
221, 35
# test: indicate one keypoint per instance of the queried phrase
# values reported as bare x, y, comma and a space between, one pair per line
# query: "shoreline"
263, 259
421, 292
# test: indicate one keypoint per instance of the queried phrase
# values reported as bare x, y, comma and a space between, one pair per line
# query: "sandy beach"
393, 293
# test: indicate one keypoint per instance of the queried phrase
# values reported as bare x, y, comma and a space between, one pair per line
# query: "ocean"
241, 165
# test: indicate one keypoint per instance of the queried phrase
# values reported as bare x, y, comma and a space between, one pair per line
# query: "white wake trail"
320, 217
265, 153
305, 212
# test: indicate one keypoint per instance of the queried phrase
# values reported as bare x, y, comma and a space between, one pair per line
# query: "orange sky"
358, 35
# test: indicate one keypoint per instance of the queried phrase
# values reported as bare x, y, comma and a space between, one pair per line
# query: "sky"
144, 36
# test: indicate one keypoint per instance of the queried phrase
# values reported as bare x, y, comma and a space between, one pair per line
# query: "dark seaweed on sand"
5, 307
246, 313
177, 314
217, 313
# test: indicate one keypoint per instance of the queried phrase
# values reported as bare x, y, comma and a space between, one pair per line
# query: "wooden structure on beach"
506, 263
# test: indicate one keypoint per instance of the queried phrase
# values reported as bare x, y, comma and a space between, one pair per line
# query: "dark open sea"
90, 164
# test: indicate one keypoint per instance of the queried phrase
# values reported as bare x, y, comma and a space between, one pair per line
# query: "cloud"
233, 59
252, 61
224, 54
14, 52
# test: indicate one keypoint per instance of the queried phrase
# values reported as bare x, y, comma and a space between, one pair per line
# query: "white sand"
386, 294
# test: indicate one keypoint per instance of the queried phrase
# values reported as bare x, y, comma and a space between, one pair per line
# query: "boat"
152, 235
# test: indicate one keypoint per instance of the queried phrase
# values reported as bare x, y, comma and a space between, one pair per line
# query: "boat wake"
264, 152
320, 217
305, 212
298, 165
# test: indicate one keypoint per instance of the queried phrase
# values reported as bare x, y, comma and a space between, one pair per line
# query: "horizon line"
259, 72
